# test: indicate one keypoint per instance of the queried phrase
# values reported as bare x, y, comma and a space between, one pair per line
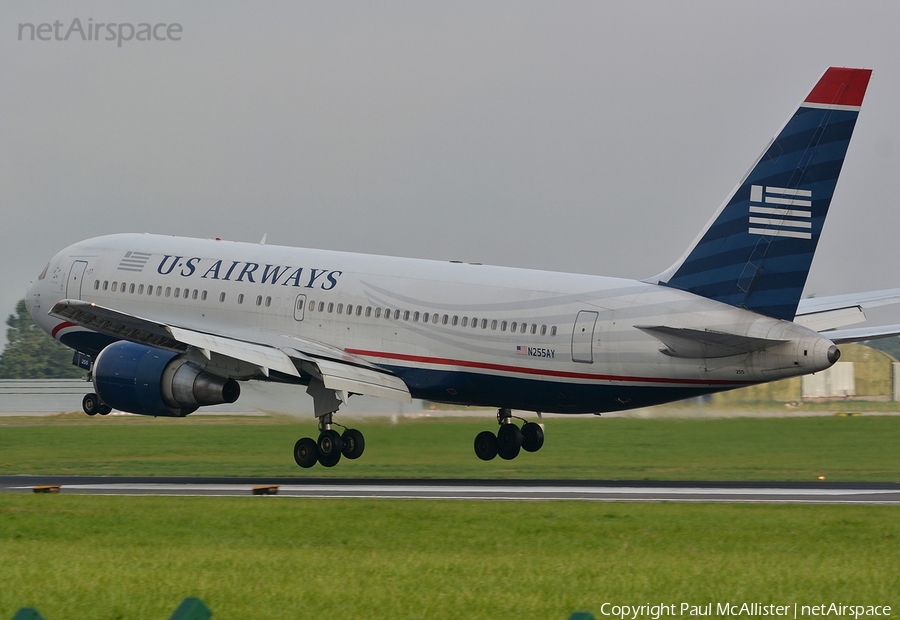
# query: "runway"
446, 489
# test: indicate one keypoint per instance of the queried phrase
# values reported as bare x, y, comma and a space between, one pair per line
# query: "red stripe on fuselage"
421, 359
61, 326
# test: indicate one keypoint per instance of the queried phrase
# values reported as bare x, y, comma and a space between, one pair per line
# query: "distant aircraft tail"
756, 251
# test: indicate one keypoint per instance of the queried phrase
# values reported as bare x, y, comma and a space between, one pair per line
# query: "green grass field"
256, 557
838, 448
276, 557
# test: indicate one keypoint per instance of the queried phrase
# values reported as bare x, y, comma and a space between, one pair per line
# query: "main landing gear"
92, 405
331, 445
509, 440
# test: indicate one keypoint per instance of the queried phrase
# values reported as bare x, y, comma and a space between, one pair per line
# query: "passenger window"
397, 314
141, 289
406, 315
268, 301
494, 324
312, 306
105, 285
349, 309
416, 317
434, 318
543, 330
425, 318
131, 288
377, 313
221, 297
115, 287
512, 327
330, 307
368, 311
96, 285
321, 306
168, 291
553, 330
340, 309
203, 296
159, 291
194, 294
241, 298
503, 326
359, 311
259, 300
483, 323
177, 292
465, 321
455, 320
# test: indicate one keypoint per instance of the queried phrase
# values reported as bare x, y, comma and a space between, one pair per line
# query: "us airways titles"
245, 271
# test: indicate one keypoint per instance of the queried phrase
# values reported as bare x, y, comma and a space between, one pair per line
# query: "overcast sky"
595, 137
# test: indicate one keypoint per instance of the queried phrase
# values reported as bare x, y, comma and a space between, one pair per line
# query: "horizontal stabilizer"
859, 334
697, 343
831, 319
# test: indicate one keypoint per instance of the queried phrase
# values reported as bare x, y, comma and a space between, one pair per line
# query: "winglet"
841, 86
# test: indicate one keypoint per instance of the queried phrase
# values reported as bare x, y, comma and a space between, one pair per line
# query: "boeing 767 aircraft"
164, 325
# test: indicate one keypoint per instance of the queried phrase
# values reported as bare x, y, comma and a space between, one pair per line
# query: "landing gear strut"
510, 439
331, 445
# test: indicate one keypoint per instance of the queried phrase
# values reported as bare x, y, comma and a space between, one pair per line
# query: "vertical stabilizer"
756, 251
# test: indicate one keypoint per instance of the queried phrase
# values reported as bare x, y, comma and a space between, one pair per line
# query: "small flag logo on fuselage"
134, 261
774, 212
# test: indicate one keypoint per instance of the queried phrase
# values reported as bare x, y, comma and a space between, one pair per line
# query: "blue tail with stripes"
756, 251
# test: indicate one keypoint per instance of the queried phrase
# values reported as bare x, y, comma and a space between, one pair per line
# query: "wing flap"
337, 376
696, 343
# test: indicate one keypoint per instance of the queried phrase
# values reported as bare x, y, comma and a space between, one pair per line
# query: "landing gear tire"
353, 443
91, 404
306, 452
532, 437
509, 441
330, 447
486, 445
105, 410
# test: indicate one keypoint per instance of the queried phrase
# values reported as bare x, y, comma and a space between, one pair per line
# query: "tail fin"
756, 251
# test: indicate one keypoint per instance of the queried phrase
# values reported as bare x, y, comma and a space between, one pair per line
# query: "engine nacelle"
140, 379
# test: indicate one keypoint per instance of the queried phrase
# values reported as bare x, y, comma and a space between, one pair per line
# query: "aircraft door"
299, 307
583, 337
76, 275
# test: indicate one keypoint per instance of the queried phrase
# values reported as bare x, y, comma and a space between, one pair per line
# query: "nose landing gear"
510, 439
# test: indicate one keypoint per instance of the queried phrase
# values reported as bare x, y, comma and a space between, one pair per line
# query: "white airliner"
164, 325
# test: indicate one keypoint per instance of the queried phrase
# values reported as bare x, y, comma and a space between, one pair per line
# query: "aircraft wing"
289, 355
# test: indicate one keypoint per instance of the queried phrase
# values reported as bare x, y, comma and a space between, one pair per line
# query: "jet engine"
140, 379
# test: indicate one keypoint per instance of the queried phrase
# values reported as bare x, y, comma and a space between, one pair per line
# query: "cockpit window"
44, 272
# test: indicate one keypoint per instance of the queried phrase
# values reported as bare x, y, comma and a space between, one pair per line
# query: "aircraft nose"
33, 297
